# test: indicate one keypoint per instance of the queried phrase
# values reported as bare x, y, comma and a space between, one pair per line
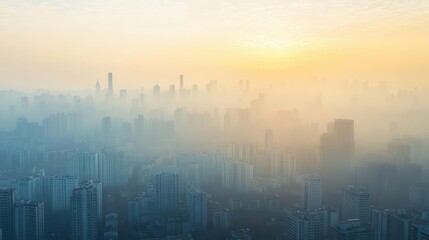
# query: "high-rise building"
85, 166
196, 206
156, 90
268, 139
85, 211
355, 204
379, 220
112, 169
123, 94
172, 91
305, 225
221, 219
29, 220
353, 230
398, 225
181, 84
110, 83
7, 202
311, 194
337, 150
97, 88
167, 193
60, 189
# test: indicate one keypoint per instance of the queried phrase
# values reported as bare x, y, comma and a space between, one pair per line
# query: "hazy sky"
72, 43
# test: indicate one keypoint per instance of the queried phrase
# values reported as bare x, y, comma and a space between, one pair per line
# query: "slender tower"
110, 83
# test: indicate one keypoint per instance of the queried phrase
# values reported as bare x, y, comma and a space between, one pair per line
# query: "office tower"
355, 204
29, 220
97, 88
167, 193
156, 90
112, 169
196, 206
85, 166
123, 94
7, 201
337, 149
139, 127
106, 127
398, 225
110, 84
181, 84
311, 195
305, 225
172, 91
221, 219
379, 220
353, 230
85, 211
60, 191
268, 139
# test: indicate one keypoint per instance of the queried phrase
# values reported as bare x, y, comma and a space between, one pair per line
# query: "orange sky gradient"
56, 44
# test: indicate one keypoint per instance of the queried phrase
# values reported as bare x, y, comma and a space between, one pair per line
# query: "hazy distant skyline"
70, 44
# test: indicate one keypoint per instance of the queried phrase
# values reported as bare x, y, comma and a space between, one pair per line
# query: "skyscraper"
268, 138
85, 166
110, 83
7, 201
305, 225
97, 88
337, 149
29, 220
167, 193
85, 211
60, 191
355, 204
311, 197
156, 90
181, 84
196, 205
112, 169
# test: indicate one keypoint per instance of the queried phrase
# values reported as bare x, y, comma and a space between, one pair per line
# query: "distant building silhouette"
337, 151
167, 193
110, 84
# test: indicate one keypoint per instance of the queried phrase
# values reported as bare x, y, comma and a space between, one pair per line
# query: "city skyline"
60, 45
207, 120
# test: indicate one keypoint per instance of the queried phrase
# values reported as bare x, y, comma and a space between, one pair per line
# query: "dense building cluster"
205, 163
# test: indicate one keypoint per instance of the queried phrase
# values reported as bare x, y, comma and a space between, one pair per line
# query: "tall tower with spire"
97, 88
